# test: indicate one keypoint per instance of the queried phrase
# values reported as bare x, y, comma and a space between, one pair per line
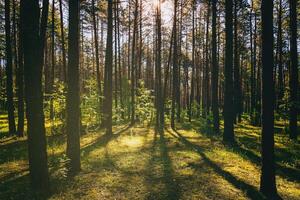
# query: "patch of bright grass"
137, 163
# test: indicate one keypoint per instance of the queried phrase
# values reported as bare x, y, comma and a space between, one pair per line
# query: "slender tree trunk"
115, 55
9, 72
52, 61
279, 56
179, 63
129, 39
33, 44
228, 94
73, 96
141, 40
133, 62
215, 70
159, 98
193, 64
175, 70
167, 73
98, 78
108, 70
237, 81
20, 79
293, 71
119, 60
63, 41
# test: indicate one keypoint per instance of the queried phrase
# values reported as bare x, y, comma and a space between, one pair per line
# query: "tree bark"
108, 71
32, 42
228, 94
9, 72
20, 79
63, 41
175, 68
215, 70
73, 96
293, 71
267, 181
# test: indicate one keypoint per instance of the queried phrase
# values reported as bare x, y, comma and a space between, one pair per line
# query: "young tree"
34, 29
228, 94
267, 181
9, 72
73, 96
215, 70
108, 71
294, 70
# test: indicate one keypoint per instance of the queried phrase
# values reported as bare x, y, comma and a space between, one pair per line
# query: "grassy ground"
137, 163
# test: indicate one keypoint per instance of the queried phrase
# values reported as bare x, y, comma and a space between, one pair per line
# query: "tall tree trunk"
267, 182
167, 73
237, 81
129, 39
52, 61
215, 70
193, 63
228, 94
119, 61
108, 71
175, 68
73, 96
294, 70
116, 54
159, 98
98, 78
9, 72
279, 56
33, 44
134, 62
141, 40
63, 48
20, 79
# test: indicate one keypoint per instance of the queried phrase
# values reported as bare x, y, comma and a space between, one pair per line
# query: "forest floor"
137, 163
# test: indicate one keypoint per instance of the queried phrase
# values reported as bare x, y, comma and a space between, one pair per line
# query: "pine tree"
73, 97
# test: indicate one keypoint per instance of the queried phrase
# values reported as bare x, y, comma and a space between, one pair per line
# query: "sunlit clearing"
133, 141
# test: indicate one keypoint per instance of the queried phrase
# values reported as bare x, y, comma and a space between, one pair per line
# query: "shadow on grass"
102, 141
171, 188
13, 150
247, 145
17, 186
250, 190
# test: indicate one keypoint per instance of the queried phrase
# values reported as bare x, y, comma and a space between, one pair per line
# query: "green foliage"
144, 104
90, 103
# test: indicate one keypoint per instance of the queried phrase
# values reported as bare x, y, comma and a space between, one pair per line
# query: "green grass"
137, 163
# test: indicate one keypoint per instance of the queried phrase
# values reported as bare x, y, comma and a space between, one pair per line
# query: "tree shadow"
283, 171
171, 188
247, 144
16, 185
103, 140
13, 150
249, 190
